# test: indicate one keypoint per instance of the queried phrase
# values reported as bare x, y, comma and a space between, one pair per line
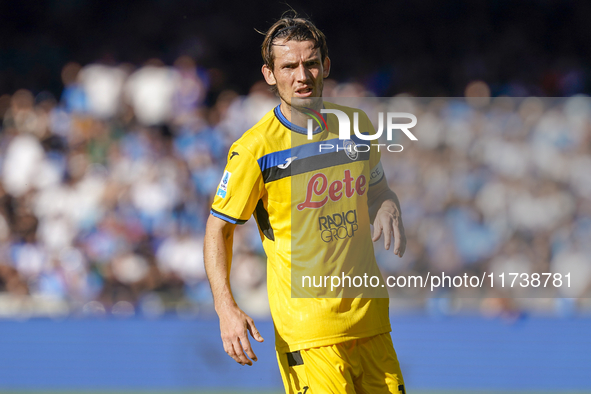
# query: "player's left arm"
384, 212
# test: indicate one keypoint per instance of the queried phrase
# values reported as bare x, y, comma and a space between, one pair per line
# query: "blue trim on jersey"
226, 218
291, 126
304, 151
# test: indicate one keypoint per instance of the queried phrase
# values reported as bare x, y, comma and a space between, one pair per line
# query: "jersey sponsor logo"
287, 162
234, 154
350, 150
223, 188
318, 192
338, 226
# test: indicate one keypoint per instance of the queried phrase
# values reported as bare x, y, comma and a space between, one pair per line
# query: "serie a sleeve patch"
223, 186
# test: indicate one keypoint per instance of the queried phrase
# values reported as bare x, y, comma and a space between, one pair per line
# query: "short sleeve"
240, 188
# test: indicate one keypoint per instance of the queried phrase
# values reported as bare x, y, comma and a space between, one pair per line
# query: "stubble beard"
308, 102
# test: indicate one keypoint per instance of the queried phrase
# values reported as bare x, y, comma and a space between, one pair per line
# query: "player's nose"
302, 74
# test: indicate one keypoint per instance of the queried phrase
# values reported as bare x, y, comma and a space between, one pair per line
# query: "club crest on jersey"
349, 147
223, 188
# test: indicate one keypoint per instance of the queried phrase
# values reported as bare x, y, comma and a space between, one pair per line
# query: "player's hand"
390, 224
234, 327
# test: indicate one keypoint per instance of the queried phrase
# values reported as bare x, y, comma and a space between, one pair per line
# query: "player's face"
298, 71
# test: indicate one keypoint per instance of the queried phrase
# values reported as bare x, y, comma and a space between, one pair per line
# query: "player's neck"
294, 116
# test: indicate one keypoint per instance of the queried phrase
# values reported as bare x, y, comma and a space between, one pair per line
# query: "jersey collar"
291, 126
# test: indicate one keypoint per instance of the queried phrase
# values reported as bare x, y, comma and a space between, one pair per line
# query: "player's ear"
268, 74
326, 67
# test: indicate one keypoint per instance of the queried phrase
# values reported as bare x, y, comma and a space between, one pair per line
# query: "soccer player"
313, 210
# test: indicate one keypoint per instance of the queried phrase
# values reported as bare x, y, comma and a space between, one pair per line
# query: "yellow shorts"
366, 365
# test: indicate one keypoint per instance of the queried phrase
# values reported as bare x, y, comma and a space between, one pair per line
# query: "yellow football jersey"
309, 198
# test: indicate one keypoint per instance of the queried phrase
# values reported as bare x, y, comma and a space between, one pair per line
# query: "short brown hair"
292, 28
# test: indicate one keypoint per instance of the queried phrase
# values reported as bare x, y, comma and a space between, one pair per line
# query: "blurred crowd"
105, 191
428, 48
499, 185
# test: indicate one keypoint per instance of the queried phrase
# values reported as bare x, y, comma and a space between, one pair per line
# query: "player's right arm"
235, 201
234, 323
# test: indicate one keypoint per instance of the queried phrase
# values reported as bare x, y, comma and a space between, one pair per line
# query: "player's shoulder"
259, 139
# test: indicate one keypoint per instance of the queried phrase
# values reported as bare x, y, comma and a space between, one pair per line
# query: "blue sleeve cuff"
227, 218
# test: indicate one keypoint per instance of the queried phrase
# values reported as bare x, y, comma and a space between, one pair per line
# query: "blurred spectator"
103, 86
191, 91
73, 96
150, 91
182, 255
